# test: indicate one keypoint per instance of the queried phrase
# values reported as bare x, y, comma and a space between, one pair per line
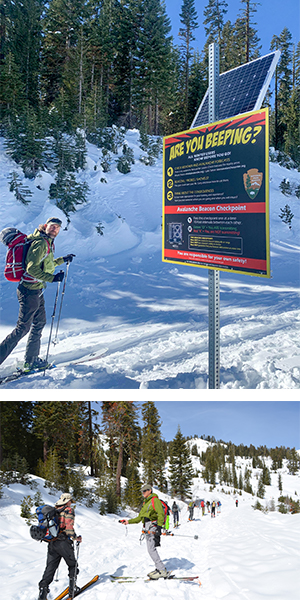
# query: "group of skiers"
151, 515
40, 265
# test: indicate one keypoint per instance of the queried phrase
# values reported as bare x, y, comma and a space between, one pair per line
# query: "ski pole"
195, 537
52, 320
61, 303
75, 574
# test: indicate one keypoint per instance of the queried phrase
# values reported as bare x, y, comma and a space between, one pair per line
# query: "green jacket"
39, 263
148, 512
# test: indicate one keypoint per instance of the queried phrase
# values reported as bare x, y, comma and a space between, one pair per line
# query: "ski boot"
35, 363
43, 593
158, 574
73, 588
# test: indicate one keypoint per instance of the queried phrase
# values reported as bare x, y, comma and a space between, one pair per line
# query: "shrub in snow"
286, 215
285, 187
100, 228
26, 505
153, 147
125, 161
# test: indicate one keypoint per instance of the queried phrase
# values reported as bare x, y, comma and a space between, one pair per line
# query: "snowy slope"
242, 554
153, 316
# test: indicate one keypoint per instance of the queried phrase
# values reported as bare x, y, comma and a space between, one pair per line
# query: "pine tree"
266, 477
151, 440
286, 215
197, 85
261, 487
214, 20
279, 482
188, 18
293, 461
247, 481
213, 23
24, 142
283, 86
88, 434
180, 467
246, 34
16, 434
57, 425
292, 113
21, 191
152, 64
12, 90
67, 191
119, 421
61, 29
23, 36
132, 492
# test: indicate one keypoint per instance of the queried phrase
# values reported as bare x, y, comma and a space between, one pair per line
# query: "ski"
132, 579
21, 373
63, 594
79, 591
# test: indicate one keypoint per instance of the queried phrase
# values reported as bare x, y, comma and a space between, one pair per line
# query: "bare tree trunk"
91, 439
119, 469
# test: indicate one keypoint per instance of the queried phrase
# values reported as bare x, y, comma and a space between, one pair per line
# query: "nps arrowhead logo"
252, 182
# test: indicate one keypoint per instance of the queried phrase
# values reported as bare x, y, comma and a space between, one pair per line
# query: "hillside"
241, 554
152, 317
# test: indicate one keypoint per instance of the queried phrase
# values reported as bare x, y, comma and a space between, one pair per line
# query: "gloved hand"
69, 257
59, 276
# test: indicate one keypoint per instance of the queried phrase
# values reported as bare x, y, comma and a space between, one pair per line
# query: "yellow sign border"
266, 275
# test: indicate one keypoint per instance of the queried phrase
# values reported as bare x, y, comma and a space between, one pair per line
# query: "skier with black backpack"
60, 547
32, 277
152, 515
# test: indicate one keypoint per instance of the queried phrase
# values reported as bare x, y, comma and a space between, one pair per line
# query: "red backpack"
15, 262
165, 507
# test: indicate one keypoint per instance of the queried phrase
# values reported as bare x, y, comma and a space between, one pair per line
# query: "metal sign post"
213, 275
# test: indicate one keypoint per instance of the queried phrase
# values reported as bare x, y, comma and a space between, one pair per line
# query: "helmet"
37, 533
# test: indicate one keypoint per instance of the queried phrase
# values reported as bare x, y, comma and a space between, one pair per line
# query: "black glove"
59, 276
69, 258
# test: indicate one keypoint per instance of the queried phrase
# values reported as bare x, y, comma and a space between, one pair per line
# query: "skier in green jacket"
40, 266
153, 521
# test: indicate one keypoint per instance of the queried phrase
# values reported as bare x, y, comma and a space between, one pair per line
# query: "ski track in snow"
153, 316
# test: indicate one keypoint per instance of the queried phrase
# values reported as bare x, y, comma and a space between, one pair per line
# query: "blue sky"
259, 423
271, 17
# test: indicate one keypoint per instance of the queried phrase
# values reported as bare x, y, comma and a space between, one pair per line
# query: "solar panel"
241, 89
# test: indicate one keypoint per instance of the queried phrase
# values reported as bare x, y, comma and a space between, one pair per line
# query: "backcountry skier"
175, 511
153, 520
61, 547
191, 510
40, 266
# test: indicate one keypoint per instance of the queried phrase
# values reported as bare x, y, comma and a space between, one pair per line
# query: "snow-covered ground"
242, 554
152, 316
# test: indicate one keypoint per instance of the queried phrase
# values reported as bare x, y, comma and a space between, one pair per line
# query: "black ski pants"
58, 549
32, 317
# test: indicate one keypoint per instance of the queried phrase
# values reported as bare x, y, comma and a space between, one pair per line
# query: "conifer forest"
73, 69
64, 442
